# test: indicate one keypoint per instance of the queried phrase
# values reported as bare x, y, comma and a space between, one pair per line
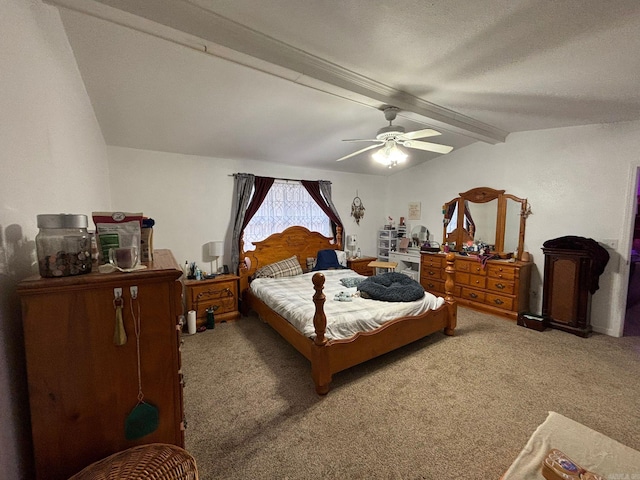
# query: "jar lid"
62, 220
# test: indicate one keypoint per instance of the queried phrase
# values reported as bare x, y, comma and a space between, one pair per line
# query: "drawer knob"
497, 301
473, 295
500, 286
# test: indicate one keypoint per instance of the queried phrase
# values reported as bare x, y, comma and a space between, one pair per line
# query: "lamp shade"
215, 249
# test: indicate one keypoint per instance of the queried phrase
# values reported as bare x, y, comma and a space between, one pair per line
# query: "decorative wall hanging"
414, 211
357, 209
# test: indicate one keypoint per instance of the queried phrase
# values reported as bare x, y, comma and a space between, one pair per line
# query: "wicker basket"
155, 461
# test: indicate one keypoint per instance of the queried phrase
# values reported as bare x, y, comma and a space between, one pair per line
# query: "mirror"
488, 217
419, 235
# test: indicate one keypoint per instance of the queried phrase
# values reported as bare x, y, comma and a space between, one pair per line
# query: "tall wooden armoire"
572, 266
82, 386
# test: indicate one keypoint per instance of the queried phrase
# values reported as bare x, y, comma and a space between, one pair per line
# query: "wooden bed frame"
331, 356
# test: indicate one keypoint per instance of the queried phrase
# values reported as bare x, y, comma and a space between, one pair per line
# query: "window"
287, 204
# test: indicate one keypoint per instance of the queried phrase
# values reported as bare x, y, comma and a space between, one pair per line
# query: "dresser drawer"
477, 281
499, 301
432, 261
500, 285
475, 295
431, 273
477, 269
433, 286
505, 272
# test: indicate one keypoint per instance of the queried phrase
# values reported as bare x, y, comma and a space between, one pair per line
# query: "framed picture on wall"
414, 211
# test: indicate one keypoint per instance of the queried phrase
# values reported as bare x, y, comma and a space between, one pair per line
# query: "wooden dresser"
220, 292
500, 287
81, 385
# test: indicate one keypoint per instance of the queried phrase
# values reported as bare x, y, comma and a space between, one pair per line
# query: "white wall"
53, 160
579, 181
190, 197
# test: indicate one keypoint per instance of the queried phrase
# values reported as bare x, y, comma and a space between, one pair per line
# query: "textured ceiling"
285, 81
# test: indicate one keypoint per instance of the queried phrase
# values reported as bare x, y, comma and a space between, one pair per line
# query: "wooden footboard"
331, 356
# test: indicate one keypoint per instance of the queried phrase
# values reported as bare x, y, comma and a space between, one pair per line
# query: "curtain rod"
276, 178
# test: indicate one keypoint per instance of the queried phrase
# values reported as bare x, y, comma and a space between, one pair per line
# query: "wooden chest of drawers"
82, 386
499, 286
361, 265
220, 292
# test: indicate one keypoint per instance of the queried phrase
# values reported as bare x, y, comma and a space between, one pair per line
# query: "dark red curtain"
261, 188
314, 190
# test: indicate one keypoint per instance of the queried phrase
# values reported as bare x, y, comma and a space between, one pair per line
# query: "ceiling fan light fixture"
389, 155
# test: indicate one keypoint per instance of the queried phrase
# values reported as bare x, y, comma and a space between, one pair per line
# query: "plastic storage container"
63, 245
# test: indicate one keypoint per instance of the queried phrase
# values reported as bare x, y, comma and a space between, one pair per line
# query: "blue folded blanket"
326, 260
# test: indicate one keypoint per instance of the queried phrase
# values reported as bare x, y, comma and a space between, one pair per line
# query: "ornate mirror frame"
484, 195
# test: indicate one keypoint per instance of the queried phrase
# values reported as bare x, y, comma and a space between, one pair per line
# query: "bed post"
320, 361
448, 298
339, 237
319, 318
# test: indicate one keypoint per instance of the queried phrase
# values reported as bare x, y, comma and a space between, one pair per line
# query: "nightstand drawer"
221, 293
361, 265
223, 296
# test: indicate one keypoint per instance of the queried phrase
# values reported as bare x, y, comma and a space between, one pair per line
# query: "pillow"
326, 259
351, 282
342, 257
284, 268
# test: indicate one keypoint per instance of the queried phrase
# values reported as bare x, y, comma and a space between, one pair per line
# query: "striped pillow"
283, 268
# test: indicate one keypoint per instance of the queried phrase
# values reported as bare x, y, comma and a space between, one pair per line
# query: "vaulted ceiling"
287, 80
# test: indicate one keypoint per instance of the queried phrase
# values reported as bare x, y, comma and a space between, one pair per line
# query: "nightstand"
221, 291
361, 265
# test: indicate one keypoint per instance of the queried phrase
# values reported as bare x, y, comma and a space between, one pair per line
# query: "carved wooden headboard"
297, 241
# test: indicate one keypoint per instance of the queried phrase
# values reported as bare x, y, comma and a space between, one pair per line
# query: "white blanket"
292, 298
588, 448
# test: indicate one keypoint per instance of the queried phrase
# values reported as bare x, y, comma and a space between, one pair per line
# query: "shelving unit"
387, 243
408, 263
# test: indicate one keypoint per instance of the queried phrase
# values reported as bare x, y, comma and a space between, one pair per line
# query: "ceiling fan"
392, 136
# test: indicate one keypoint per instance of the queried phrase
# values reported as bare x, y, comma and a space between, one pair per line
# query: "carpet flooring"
441, 408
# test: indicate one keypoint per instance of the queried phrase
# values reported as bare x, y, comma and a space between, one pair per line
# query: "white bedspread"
292, 298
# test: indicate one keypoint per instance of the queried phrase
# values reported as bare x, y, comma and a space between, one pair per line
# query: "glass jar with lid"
63, 245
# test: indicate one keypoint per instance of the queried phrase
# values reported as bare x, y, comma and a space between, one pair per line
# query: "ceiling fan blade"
427, 132
362, 140
428, 146
357, 152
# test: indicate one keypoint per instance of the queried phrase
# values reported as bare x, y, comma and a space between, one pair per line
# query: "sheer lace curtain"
265, 205
287, 204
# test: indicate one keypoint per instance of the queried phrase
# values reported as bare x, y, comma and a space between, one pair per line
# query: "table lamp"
352, 243
215, 250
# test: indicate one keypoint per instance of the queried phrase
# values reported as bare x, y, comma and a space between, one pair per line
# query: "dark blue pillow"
326, 259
